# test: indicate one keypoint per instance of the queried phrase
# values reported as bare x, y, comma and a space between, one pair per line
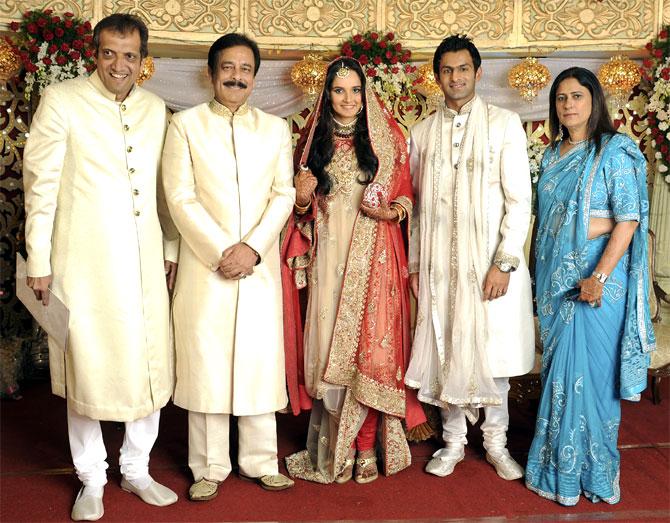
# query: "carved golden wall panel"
496, 25
583, 21
320, 21
12, 9
434, 19
193, 19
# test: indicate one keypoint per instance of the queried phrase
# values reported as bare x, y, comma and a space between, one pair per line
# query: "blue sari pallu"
593, 357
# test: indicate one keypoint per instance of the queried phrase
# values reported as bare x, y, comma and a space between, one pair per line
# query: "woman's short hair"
599, 124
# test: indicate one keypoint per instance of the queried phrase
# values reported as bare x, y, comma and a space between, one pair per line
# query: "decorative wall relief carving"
434, 19
561, 20
332, 19
203, 19
12, 9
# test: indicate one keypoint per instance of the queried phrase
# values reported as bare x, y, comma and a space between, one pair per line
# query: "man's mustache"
235, 83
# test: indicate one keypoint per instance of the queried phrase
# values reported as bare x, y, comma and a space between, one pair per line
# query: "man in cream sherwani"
474, 316
229, 184
93, 235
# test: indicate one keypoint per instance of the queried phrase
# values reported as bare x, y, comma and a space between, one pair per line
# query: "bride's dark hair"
322, 149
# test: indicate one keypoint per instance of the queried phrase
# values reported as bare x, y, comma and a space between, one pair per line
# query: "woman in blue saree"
591, 288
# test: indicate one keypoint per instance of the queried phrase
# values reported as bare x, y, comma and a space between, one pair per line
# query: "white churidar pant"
89, 454
494, 426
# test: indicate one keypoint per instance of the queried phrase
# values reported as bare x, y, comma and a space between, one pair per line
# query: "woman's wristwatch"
601, 277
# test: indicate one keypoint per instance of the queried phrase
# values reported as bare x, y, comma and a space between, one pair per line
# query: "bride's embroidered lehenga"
593, 357
356, 338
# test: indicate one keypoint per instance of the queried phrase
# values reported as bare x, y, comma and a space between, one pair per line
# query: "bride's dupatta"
373, 313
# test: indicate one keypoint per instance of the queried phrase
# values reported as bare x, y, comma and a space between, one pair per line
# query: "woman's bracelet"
300, 209
402, 213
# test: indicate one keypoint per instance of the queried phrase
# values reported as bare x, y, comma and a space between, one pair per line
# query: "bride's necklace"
344, 129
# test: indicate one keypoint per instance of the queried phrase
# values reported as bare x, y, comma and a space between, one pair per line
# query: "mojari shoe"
444, 461
87, 507
505, 465
203, 490
366, 468
272, 481
155, 494
348, 470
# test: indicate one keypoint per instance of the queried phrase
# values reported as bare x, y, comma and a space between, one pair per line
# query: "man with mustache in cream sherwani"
93, 235
228, 179
474, 326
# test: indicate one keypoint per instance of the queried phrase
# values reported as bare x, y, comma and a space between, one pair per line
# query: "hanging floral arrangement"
656, 73
52, 48
387, 67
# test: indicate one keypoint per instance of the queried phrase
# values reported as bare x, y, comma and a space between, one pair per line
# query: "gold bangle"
302, 210
402, 214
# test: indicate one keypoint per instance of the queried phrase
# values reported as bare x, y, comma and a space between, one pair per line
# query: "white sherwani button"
130, 149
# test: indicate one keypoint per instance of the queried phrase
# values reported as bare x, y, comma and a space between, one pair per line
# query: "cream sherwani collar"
450, 113
96, 81
222, 110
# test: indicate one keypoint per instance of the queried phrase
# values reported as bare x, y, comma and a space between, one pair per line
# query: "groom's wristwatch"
504, 266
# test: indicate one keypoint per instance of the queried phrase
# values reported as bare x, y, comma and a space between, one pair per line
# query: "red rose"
32, 28
382, 44
68, 23
77, 44
87, 25
349, 53
34, 49
59, 32
659, 139
408, 68
374, 36
398, 47
88, 53
48, 36
406, 56
663, 34
386, 70
48, 11
366, 45
648, 46
664, 148
363, 59
395, 70
75, 55
376, 60
55, 20
68, 14
41, 22
80, 30
88, 39
89, 67
658, 53
665, 74
64, 47
14, 26
394, 60
404, 98
346, 46
647, 63
388, 54
390, 36
46, 60
61, 60
31, 67
52, 48
371, 72
357, 39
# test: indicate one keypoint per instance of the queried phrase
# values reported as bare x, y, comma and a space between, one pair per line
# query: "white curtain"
183, 83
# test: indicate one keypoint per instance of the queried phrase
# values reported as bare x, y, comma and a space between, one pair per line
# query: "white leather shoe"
505, 465
87, 507
155, 494
444, 461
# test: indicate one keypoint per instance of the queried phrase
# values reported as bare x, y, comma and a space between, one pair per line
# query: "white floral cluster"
49, 74
659, 103
391, 86
535, 148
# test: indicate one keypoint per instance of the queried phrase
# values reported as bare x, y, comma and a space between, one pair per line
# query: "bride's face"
346, 97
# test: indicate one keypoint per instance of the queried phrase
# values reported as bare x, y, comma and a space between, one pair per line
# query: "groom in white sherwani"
474, 316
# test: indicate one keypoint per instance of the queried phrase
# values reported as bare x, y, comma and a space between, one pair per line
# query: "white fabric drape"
183, 83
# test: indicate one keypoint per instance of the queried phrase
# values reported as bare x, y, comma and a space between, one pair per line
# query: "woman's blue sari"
593, 357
